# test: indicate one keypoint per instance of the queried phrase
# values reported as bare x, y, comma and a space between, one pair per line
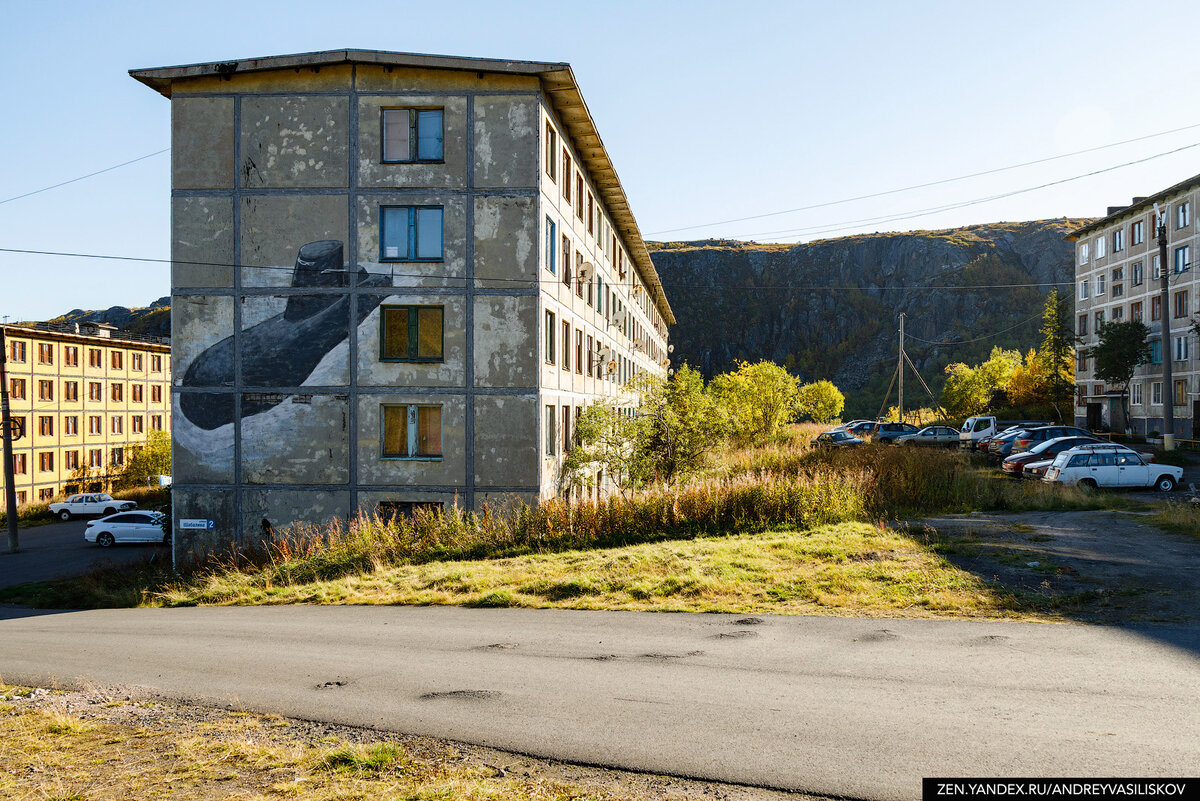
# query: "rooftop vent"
1114, 209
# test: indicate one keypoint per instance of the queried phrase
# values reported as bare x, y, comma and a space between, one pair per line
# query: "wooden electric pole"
1168, 353
900, 397
10, 490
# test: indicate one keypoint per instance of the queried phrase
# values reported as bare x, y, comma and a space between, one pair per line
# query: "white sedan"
99, 503
127, 527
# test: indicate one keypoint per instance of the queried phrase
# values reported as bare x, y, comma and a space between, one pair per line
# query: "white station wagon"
1111, 466
99, 503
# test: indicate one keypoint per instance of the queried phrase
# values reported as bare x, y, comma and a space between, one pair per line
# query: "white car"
126, 527
90, 504
1110, 466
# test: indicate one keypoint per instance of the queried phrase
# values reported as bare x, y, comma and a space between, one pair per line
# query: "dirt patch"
1099, 566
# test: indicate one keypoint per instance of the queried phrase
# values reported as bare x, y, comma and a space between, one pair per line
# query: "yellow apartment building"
84, 395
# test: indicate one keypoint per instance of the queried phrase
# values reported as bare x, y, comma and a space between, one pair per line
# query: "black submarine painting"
283, 350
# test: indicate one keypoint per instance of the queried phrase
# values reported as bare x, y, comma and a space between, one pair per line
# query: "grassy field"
71, 746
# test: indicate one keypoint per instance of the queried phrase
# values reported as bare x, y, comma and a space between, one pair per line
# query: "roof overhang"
1134, 209
558, 84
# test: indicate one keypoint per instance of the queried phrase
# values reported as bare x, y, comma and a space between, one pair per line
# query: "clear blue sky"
710, 111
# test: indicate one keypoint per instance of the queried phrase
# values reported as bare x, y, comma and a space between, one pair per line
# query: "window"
1183, 260
95, 391
566, 172
45, 462
70, 390
118, 424
137, 393
591, 214
1099, 284
118, 457
70, 356
1118, 240
45, 353
1155, 309
16, 352
551, 149
156, 422
117, 391
95, 425
1118, 274
1181, 348
1155, 267
156, 394
579, 351
591, 348
1135, 394
22, 496
551, 234
1181, 392
135, 362
1137, 232
95, 357
411, 333
45, 425
1099, 320
411, 431
1118, 313
566, 345
549, 437
135, 424
96, 458
1135, 273
45, 390
549, 337
1083, 253
1183, 214
70, 460
156, 363
412, 134
1083, 289
578, 272
16, 388
566, 260
410, 233
591, 295
1181, 304
1118, 290
1101, 242
579, 195
1081, 361
71, 426
116, 359
20, 465
1135, 311
1156, 351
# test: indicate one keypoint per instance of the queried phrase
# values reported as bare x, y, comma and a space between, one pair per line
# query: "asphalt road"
851, 707
58, 550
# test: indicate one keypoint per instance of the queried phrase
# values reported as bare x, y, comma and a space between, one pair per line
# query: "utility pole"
1168, 353
10, 490
900, 398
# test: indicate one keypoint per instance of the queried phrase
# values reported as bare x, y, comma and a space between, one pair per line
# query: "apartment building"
1118, 278
398, 280
84, 396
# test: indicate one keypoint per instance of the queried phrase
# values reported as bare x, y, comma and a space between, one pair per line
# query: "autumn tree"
1121, 350
1057, 356
820, 400
758, 400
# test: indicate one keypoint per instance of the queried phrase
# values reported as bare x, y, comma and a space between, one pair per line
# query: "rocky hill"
830, 308
153, 320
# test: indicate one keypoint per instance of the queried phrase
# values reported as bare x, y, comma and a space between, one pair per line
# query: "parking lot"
58, 550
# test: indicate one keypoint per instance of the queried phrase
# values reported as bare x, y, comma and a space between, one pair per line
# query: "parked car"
1015, 464
836, 439
127, 527
975, 429
1032, 436
1107, 465
931, 437
888, 432
1001, 444
861, 428
90, 504
847, 425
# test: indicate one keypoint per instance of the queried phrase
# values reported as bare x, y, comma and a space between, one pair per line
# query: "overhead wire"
82, 177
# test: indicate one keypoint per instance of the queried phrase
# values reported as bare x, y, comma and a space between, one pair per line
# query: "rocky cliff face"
152, 320
830, 309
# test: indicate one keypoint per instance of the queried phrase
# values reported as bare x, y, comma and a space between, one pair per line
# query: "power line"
823, 229
684, 285
944, 342
929, 184
89, 175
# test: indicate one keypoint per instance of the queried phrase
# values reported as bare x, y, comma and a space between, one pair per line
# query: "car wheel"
1164, 484
65, 514
104, 539
1087, 483
110, 511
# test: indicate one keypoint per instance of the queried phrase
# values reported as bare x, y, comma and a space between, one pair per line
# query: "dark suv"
888, 432
1032, 436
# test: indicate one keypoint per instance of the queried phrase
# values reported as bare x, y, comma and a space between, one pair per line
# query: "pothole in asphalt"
878, 636
734, 635
329, 685
498, 646
664, 657
749, 621
470, 695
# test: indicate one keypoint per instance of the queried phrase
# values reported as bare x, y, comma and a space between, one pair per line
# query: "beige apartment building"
398, 281
84, 396
1118, 278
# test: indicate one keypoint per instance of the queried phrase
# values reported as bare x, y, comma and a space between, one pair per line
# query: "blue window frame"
1156, 351
410, 233
550, 244
412, 134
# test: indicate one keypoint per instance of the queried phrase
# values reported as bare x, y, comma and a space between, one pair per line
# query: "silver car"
126, 527
931, 437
